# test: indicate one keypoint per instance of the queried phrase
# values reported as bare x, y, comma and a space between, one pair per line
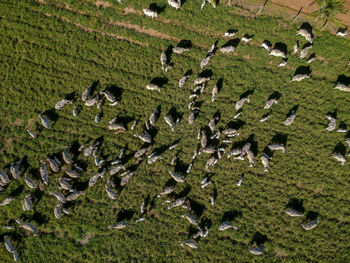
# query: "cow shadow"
304, 70
52, 115
159, 81
231, 215
339, 148
281, 47
115, 90
72, 96
296, 204
276, 95
246, 94
39, 218
294, 109
333, 113
342, 125
258, 239
311, 215
125, 214
197, 208
232, 42
232, 30
168, 53
184, 192
207, 73
342, 79
158, 8
185, 43
236, 124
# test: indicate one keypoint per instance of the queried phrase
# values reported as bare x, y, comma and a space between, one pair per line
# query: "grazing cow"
60, 104
227, 225
294, 213
190, 243
310, 225
150, 13
290, 119
44, 121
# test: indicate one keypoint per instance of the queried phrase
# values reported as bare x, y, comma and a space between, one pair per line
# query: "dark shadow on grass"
281, 47
175, 114
206, 222
197, 208
73, 96
241, 143
185, 43
170, 183
342, 79
37, 217
184, 192
37, 196
52, 115
214, 49
14, 237
80, 185
342, 125
296, 204
188, 72
246, 94
313, 55
215, 192
168, 53
248, 36
125, 214
206, 73
258, 239
158, 8
236, 124
311, 215
232, 30
279, 138
254, 144
303, 70
268, 43
219, 83
333, 113
276, 95
339, 148
17, 191
231, 215
191, 231
159, 81
116, 91
232, 42
294, 109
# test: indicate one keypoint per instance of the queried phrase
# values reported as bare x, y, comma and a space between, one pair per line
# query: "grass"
49, 50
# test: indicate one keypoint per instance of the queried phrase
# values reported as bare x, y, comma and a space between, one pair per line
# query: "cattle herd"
212, 142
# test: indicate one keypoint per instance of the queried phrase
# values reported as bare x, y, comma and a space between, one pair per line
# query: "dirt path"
309, 6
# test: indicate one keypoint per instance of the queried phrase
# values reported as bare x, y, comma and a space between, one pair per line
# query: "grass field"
50, 49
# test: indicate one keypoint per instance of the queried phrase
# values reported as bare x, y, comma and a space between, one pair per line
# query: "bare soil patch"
102, 4
143, 30
280, 254
86, 239
130, 10
18, 122
309, 6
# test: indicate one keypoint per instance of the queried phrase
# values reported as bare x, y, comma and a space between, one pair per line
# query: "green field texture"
50, 49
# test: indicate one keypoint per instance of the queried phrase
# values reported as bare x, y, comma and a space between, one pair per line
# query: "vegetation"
50, 49
328, 10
